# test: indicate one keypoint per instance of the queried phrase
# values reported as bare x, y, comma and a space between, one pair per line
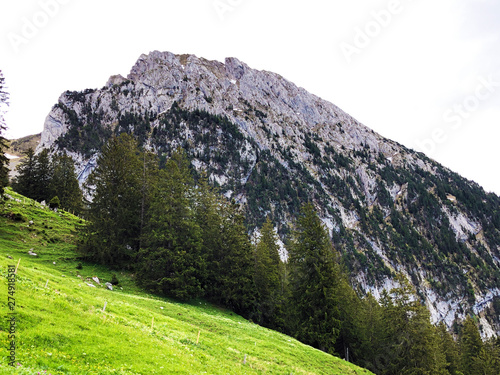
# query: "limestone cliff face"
271, 145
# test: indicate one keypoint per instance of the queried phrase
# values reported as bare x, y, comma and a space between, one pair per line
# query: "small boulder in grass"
109, 286
96, 279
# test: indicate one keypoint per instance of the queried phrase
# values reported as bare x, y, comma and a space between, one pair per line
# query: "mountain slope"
65, 326
273, 146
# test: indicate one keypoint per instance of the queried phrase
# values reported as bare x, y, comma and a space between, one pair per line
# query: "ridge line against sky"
422, 73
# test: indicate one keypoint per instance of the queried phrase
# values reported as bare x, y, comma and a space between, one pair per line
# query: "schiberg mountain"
272, 146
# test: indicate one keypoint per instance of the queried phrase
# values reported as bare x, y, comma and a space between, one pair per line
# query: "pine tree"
209, 218
43, 176
64, 183
171, 261
449, 348
411, 338
314, 303
229, 273
233, 262
471, 348
25, 181
371, 354
4, 162
268, 278
112, 233
490, 357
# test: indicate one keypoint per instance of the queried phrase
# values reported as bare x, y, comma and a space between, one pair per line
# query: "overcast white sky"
424, 73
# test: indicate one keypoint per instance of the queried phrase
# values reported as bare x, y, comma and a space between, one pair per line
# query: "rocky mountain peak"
271, 146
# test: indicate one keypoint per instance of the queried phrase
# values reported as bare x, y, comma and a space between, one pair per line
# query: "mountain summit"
272, 146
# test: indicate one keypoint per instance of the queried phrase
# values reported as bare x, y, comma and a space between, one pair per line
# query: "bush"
54, 202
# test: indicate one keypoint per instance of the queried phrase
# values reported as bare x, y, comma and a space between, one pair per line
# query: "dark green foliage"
171, 261
314, 284
409, 337
450, 349
471, 347
114, 216
269, 278
64, 183
42, 177
229, 272
25, 182
54, 202
231, 264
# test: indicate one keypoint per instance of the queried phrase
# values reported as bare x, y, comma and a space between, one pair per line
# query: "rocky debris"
91, 285
96, 279
109, 286
30, 252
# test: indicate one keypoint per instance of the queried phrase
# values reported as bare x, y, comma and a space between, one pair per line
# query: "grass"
65, 326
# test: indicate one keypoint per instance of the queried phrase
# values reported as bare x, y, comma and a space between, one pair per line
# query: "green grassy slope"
62, 328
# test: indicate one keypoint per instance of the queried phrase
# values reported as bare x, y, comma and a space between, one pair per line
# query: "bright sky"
424, 73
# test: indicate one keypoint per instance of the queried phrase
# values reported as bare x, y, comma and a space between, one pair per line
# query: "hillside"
272, 146
63, 327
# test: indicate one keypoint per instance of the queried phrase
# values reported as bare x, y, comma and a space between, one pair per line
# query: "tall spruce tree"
234, 264
471, 348
371, 354
268, 270
25, 181
314, 281
171, 261
411, 338
229, 277
43, 177
112, 233
64, 183
449, 347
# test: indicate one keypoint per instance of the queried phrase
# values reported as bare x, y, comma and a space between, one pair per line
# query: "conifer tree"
112, 233
234, 264
371, 354
449, 348
208, 215
268, 270
229, 277
43, 176
471, 348
64, 183
313, 303
171, 261
411, 338
25, 181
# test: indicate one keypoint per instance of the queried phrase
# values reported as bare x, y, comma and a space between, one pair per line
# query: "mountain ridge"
271, 145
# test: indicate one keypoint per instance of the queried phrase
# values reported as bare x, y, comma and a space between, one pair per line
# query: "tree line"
184, 240
49, 178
